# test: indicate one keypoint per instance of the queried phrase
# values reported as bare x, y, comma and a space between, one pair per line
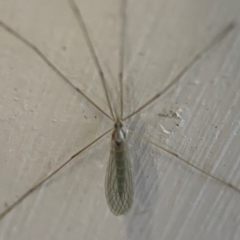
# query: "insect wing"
118, 181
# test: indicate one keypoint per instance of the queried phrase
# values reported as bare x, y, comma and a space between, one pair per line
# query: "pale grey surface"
43, 121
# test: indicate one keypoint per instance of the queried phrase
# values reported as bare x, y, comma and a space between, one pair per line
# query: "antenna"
122, 52
83, 27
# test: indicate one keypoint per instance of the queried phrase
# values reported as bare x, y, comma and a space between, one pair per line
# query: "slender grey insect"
119, 180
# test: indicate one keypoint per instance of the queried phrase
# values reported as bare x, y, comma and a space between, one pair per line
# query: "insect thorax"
118, 135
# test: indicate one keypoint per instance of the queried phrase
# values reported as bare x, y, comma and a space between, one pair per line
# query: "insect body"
118, 182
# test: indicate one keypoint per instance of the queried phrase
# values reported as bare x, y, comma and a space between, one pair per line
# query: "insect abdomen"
120, 172
118, 181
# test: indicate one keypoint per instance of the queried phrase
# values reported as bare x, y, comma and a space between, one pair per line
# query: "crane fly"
119, 180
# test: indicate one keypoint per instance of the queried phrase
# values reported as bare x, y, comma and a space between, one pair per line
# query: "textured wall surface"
43, 121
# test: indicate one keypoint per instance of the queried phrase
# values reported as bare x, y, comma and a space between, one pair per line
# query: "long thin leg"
50, 64
83, 27
49, 176
214, 41
197, 168
188, 163
122, 51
